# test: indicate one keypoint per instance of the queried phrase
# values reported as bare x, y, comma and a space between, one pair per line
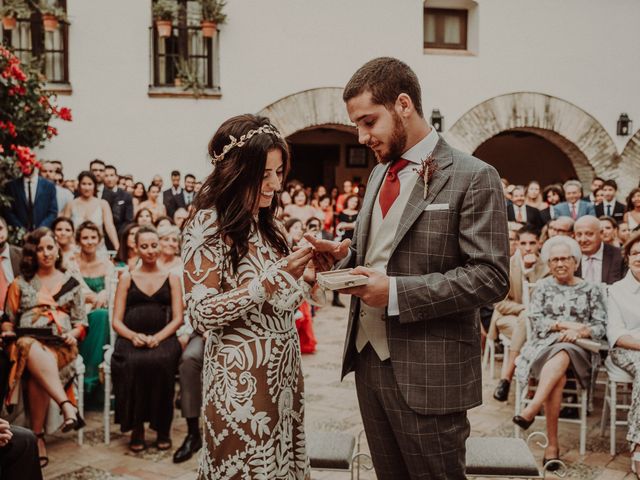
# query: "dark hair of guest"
233, 188
90, 176
123, 250
59, 220
29, 263
88, 225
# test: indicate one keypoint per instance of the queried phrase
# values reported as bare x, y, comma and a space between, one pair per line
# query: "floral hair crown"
240, 142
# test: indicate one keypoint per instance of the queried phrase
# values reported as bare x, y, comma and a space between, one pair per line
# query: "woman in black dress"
147, 313
347, 217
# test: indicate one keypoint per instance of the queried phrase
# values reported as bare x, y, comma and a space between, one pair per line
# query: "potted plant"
51, 16
187, 77
11, 10
212, 16
164, 12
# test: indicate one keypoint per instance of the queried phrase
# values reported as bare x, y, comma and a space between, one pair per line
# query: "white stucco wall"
582, 51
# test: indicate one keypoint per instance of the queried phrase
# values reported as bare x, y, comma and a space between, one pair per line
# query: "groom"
433, 256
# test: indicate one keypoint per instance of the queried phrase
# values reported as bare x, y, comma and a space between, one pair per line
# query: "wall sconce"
437, 120
624, 125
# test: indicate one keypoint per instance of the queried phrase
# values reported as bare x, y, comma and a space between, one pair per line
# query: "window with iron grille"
49, 49
445, 28
186, 57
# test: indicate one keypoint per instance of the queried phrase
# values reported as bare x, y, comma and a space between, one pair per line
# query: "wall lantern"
624, 125
437, 120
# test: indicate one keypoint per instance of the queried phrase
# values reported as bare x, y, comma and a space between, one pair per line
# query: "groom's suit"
449, 257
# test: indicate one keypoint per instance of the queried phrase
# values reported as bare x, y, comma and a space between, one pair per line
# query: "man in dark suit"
601, 263
10, 257
120, 201
433, 257
596, 184
173, 197
33, 202
610, 206
521, 213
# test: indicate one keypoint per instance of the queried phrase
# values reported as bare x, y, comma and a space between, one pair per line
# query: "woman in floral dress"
242, 287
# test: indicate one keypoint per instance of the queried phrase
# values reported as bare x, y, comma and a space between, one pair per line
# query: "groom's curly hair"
385, 78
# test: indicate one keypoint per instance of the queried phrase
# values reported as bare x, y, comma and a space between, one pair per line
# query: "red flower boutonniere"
428, 167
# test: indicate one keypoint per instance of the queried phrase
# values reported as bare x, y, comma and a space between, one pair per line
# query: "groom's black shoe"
192, 443
501, 393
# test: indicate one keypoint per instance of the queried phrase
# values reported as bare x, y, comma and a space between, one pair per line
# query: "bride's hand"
337, 250
298, 260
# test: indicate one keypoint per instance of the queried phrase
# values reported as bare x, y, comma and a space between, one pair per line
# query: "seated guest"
610, 206
553, 195
623, 232
169, 258
295, 231
600, 262
609, 231
18, 453
623, 333
164, 221
10, 257
147, 314
632, 217
144, 217
347, 217
573, 207
596, 184
509, 315
44, 297
63, 196
180, 216
95, 273
153, 203
64, 231
563, 309
139, 195
522, 213
300, 209
127, 253
534, 197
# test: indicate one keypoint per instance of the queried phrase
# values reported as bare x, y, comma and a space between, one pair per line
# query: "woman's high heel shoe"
72, 423
43, 459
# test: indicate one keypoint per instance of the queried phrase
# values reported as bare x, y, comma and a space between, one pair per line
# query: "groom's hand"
376, 292
337, 250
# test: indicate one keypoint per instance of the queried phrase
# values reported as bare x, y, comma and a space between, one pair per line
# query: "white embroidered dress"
252, 381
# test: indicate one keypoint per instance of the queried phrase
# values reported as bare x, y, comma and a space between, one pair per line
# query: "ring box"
339, 279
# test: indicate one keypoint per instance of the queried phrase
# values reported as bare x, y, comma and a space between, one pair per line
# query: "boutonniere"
428, 167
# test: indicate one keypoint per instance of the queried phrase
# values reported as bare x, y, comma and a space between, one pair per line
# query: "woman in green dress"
96, 272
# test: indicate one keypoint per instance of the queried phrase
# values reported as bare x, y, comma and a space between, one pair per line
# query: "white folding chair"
106, 362
617, 378
79, 387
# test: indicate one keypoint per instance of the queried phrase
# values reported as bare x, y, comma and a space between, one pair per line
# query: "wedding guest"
147, 314
534, 197
521, 213
18, 453
128, 253
347, 191
96, 273
327, 210
623, 232
596, 184
299, 208
86, 207
632, 217
564, 308
553, 195
239, 272
144, 217
119, 200
63, 196
32, 201
561, 226
169, 258
623, 334
599, 197
179, 217
64, 232
347, 217
600, 262
173, 197
153, 204
610, 206
609, 231
295, 231
574, 206
45, 297
139, 195
163, 222
10, 257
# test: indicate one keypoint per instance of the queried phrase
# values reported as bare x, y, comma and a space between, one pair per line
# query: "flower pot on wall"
9, 23
50, 23
209, 29
164, 27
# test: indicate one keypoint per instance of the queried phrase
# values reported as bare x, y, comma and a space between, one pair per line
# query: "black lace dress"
144, 378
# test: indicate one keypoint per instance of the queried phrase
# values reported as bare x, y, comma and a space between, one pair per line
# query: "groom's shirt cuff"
393, 309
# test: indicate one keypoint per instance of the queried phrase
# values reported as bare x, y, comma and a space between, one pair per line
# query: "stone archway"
309, 109
580, 136
629, 166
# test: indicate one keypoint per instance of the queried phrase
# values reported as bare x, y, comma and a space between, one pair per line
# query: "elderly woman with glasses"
564, 308
623, 333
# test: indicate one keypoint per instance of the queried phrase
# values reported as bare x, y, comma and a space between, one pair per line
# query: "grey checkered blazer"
448, 263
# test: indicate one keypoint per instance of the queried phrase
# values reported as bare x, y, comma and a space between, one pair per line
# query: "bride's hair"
232, 189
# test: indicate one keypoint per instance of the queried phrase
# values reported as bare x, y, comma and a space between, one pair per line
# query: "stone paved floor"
331, 406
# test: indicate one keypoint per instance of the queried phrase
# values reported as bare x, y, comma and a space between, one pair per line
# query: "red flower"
52, 131
10, 127
26, 159
64, 114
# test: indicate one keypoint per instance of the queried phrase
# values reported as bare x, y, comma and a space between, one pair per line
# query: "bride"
242, 287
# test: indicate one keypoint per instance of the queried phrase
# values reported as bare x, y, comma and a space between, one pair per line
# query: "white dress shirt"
623, 311
610, 205
415, 154
593, 273
34, 186
523, 212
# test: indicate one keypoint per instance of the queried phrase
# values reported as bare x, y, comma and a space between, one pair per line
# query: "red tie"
574, 215
391, 186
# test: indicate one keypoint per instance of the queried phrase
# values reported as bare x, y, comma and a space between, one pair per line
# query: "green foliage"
15, 9
212, 10
53, 10
164, 9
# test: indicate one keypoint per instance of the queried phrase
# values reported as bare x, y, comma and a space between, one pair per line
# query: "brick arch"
629, 166
579, 135
309, 109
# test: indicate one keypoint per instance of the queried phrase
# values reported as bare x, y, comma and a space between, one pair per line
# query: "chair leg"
505, 359
492, 361
81, 406
518, 406
613, 417
605, 410
107, 405
583, 420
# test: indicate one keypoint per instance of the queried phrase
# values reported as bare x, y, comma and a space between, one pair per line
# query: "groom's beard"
397, 142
